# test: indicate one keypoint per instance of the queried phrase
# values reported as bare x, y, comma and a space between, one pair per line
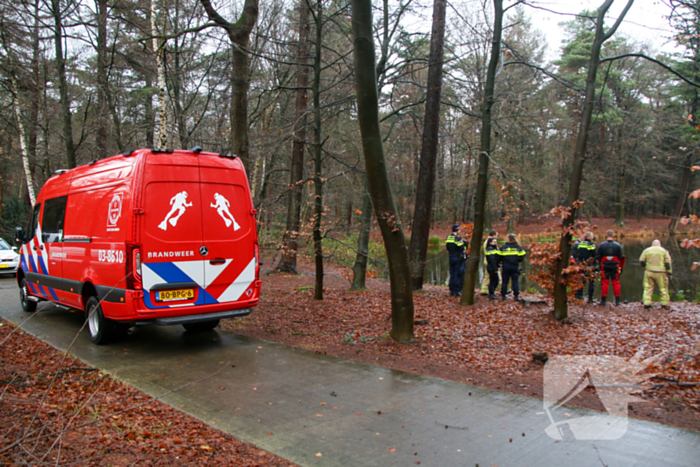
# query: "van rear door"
228, 230
173, 269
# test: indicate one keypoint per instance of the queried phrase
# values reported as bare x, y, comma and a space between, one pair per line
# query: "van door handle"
217, 261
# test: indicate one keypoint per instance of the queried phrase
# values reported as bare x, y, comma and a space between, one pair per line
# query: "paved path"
297, 404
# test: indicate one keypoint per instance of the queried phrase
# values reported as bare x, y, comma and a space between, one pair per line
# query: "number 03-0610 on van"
149, 236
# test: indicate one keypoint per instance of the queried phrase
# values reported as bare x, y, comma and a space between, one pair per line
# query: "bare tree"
67, 116
472, 270
572, 200
425, 188
290, 243
375, 163
239, 35
318, 155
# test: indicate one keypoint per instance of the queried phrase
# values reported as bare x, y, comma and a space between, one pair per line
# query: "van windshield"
4, 245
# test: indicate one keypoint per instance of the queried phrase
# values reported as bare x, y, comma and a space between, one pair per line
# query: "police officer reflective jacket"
493, 258
585, 250
455, 246
512, 254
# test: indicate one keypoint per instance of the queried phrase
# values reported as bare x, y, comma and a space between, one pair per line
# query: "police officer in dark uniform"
610, 260
493, 264
456, 247
584, 253
512, 255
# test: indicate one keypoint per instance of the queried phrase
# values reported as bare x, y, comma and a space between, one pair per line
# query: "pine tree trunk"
66, 113
425, 189
102, 106
375, 162
35, 89
290, 243
359, 269
318, 156
239, 35
682, 193
620, 211
472, 270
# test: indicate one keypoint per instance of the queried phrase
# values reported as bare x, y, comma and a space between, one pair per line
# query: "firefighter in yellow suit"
657, 271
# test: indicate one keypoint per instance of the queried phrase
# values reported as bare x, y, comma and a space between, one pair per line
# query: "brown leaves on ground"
490, 344
71, 414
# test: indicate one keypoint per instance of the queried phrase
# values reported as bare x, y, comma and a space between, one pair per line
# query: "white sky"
645, 22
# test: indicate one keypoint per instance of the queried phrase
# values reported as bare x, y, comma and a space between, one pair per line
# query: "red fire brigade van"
149, 236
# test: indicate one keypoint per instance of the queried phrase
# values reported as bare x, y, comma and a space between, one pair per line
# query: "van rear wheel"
201, 326
27, 305
102, 330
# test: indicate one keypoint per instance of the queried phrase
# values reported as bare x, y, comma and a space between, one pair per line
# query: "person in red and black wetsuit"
609, 259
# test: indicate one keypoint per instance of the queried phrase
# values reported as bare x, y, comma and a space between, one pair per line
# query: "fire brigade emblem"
114, 211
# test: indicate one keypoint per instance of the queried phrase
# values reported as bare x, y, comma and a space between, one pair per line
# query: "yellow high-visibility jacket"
656, 259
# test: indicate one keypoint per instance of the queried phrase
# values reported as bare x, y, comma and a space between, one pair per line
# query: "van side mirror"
19, 234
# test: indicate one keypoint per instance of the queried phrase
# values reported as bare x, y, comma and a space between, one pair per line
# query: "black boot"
492, 297
617, 301
603, 300
590, 299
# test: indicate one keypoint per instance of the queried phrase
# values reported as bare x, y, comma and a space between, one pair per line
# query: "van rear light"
137, 263
133, 266
257, 262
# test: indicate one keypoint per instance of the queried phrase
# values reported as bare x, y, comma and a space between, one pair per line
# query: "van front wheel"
27, 305
201, 326
101, 329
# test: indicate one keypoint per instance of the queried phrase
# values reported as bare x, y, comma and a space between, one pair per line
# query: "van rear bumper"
197, 318
133, 310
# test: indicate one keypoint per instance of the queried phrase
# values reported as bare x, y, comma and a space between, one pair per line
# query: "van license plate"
170, 295
2, 266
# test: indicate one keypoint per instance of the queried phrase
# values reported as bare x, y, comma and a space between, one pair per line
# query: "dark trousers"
456, 275
510, 273
591, 288
493, 281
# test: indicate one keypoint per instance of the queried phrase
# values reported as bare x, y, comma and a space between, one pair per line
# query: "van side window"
52, 222
33, 223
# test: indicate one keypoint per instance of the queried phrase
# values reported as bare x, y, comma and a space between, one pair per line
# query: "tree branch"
653, 60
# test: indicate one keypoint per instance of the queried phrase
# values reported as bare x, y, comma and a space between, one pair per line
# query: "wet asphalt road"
317, 404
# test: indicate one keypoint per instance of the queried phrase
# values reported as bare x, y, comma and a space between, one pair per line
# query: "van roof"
110, 160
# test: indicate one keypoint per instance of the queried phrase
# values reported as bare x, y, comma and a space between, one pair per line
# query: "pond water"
685, 281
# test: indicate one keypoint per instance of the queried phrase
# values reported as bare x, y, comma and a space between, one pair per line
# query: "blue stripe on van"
32, 265
43, 266
53, 294
169, 272
172, 274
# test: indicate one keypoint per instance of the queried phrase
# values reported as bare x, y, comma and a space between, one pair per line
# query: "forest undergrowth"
64, 412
